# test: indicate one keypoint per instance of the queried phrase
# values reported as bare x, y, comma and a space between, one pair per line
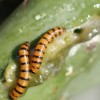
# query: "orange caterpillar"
36, 60
24, 76
42, 45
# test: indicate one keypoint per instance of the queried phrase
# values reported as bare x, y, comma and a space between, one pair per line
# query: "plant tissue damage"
56, 52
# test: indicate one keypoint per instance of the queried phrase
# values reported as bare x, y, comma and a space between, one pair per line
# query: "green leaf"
28, 22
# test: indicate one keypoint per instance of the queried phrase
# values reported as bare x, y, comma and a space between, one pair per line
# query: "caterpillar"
40, 49
24, 76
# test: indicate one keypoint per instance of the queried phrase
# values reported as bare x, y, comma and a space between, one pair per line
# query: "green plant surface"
29, 22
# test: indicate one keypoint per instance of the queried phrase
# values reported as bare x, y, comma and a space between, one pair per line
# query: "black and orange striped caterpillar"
34, 64
24, 76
